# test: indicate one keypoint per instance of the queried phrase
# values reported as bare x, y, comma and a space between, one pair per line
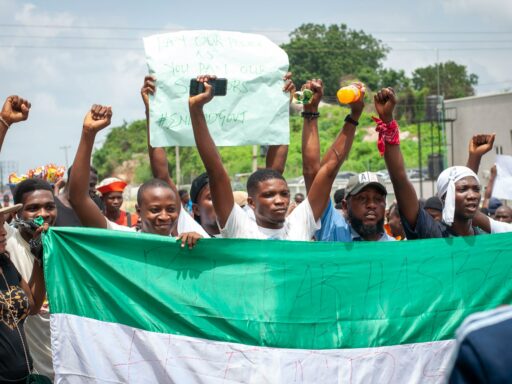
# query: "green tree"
397, 80
120, 145
333, 52
454, 80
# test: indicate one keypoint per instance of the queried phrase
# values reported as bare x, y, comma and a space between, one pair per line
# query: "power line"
109, 38
75, 47
143, 28
70, 37
70, 47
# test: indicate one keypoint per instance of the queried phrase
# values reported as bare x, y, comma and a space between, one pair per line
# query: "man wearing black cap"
434, 208
339, 198
494, 204
365, 205
202, 205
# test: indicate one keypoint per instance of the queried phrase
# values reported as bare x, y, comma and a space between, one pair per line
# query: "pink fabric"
388, 133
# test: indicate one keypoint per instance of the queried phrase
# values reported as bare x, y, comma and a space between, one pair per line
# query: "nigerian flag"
138, 308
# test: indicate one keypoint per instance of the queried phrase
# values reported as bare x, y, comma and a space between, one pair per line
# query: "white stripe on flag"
87, 350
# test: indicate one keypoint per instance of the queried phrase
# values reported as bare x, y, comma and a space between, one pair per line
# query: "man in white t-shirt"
37, 199
158, 204
268, 192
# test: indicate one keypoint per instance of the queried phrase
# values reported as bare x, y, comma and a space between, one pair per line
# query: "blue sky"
96, 54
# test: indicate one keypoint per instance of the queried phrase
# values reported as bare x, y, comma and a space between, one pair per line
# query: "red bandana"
388, 133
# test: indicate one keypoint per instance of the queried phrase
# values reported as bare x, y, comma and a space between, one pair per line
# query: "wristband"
4, 122
310, 115
389, 133
350, 120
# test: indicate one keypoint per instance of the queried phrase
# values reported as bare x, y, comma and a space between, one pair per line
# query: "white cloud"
498, 10
29, 14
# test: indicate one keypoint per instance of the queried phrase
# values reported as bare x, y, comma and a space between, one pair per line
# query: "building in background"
478, 114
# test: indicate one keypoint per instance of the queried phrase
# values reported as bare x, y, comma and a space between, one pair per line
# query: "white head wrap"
446, 185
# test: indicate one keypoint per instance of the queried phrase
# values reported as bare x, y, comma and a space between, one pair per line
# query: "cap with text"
365, 179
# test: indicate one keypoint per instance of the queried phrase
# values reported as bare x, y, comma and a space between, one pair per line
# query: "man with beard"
365, 204
363, 201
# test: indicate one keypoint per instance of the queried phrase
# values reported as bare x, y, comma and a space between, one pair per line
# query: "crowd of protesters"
211, 208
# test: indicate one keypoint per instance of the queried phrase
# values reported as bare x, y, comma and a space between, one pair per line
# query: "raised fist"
385, 102
481, 144
97, 118
317, 86
15, 109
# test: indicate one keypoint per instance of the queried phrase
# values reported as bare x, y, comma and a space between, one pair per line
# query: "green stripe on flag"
277, 293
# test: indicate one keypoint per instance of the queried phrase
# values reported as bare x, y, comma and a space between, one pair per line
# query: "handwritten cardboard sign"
255, 109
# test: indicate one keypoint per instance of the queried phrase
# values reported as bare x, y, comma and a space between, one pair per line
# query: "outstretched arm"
88, 212
277, 154
489, 188
157, 156
406, 197
15, 109
310, 140
220, 184
320, 189
479, 145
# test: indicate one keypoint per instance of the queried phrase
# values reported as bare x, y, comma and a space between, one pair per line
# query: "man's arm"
276, 157
320, 189
87, 211
14, 110
489, 188
157, 156
479, 145
310, 140
277, 154
406, 197
220, 184
35, 289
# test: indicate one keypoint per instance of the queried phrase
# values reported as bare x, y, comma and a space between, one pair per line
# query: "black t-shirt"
429, 228
13, 301
66, 216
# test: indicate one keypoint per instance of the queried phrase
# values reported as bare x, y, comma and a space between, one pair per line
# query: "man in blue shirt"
365, 205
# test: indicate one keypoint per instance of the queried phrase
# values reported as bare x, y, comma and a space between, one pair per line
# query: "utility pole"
178, 168
438, 74
6, 167
65, 149
254, 158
